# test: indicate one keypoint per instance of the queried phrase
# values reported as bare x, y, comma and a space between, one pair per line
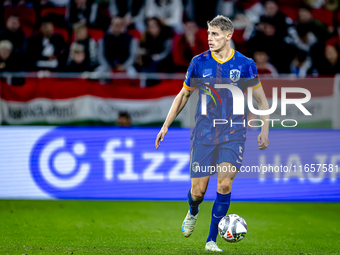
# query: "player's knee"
224, 185
197, 192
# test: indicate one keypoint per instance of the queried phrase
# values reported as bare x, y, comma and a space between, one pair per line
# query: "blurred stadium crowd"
282, 36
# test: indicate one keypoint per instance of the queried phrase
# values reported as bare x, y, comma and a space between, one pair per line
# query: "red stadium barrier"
68, 88
51, 94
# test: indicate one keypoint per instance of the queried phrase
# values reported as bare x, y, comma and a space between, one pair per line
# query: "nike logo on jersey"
207, 72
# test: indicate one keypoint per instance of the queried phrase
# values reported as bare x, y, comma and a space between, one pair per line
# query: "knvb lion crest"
235, 75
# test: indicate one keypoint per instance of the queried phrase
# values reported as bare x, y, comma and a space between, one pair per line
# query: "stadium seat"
290, 12
96, 34
324, 15
333, 41
135, 33
63, 32
55, 10
293, 3
239, 40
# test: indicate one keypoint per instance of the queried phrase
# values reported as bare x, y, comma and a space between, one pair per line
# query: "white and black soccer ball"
232, 228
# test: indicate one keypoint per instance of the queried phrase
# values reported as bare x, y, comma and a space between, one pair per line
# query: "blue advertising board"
122, 164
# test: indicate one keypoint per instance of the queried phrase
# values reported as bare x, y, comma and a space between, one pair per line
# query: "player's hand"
262, 140
160, 137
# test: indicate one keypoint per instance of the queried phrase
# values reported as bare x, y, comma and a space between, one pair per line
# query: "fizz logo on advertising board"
60, 166
58, 161
86, 163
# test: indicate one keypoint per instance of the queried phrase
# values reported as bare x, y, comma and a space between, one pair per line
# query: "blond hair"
6, 44
223, 23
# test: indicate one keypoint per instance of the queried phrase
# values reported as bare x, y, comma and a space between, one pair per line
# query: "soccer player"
221, 145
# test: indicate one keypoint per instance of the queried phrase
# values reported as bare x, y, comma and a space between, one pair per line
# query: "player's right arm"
179, 102
177, 106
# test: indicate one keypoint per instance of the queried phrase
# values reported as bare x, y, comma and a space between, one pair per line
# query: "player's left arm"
261, 100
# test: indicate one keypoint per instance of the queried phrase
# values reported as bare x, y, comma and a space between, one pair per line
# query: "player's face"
218, 39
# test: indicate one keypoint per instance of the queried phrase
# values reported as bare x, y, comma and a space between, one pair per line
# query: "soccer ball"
232, 228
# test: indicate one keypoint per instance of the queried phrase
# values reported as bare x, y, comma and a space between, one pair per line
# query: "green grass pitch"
113, 227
